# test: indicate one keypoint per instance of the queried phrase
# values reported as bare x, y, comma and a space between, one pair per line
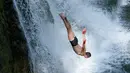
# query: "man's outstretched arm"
84, 41
84, 47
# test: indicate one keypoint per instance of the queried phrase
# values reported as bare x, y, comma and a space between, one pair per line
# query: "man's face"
85, 56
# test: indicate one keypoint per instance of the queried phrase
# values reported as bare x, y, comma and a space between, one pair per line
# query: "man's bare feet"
62, 15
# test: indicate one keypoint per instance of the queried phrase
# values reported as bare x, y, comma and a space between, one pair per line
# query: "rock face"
125, 16
13, 48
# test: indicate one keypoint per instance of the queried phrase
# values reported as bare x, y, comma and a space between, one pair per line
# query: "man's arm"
84, 46
84, 41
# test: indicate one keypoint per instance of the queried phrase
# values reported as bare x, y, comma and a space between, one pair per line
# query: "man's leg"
68, 27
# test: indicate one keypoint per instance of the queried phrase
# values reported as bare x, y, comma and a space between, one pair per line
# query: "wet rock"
127, 68
125, 16
13, 45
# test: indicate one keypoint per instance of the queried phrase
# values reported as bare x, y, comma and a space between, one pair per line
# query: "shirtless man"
74, 41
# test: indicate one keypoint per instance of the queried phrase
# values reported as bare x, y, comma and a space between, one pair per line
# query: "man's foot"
84, 31
62, 15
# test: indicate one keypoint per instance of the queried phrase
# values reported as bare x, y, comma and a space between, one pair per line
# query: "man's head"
87, 55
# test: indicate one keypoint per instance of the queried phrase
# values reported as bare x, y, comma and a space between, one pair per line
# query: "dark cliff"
13, 48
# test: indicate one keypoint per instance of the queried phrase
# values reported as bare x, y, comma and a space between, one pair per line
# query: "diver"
73, 39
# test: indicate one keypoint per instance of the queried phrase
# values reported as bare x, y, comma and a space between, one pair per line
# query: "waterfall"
49, 48
37, 24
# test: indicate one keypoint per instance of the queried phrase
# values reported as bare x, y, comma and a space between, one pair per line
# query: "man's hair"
88, 54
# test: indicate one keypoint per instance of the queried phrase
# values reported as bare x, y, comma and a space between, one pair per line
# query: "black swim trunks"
74, 42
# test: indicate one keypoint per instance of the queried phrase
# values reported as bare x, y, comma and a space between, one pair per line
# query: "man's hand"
84, 31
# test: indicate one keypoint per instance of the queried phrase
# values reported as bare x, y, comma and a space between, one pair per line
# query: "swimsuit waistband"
74, 42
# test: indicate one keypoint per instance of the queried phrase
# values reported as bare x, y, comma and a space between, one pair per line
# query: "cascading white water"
124, 2
37, 24
49, 48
